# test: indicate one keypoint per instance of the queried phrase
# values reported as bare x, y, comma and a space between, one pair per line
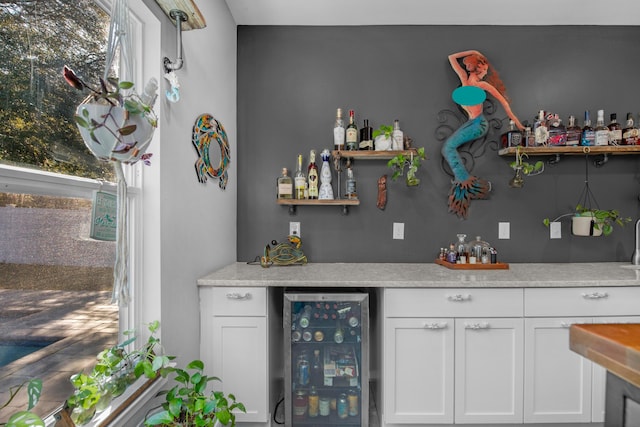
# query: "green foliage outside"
37, 38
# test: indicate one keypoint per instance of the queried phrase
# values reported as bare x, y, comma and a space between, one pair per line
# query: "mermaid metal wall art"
477, 78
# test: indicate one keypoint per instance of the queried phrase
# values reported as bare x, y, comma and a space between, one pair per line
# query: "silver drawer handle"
435, 325
480, 325
239, 296
595, 295
566, 324
459, 297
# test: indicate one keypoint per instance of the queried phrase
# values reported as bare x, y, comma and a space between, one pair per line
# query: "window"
47, 179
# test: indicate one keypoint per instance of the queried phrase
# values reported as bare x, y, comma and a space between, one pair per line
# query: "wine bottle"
366, 136
588, 134
630, 132
615, 130
299, 180
312, 175
352, 133
284, 185
338, 131
601, 131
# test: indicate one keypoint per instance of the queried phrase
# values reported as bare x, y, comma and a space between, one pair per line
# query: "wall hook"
179, 17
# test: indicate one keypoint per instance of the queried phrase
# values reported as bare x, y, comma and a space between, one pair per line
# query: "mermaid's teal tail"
463, 192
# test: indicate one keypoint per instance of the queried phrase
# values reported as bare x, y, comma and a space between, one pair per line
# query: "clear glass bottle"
462, 248
366, 136
557, 131
452, 255
630, 132
284, 185
312, 175
352, 133
528, 139
299, 180
615, 130
601, 131
588, 136
574, 132
338, 131
350, 186
326, 190
480, 250
540, 130
397, 137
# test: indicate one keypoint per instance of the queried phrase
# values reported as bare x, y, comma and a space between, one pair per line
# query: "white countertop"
401, 275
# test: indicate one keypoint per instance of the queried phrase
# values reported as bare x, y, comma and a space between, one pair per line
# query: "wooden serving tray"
467, 266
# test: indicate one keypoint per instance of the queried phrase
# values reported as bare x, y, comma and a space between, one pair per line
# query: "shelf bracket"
345, 210
555, 159
292, 210
600, 162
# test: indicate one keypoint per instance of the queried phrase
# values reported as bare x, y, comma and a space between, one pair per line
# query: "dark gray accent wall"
292, 79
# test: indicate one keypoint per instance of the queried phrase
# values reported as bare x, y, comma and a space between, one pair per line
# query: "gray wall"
292, 79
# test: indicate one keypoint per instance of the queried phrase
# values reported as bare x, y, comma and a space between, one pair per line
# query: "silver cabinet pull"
238, 295
435, 325
459, 297
595, 295
566, 324
478, 325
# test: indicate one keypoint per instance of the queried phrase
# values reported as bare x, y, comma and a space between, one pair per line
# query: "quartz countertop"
416, 275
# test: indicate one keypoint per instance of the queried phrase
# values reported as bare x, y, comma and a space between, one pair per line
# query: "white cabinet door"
557, 380
599, 374
418, 370
489, 370
238, 355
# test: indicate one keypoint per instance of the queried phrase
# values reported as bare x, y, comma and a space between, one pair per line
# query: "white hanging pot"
584, 225
110, 134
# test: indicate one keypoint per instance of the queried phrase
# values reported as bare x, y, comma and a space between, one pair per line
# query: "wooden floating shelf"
372, 154
292, 203
195, 19
573, 150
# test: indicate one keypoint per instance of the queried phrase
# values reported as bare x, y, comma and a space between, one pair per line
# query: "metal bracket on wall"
179, 16
195, 19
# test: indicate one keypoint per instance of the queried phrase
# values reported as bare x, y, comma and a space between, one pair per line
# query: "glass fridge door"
326, 359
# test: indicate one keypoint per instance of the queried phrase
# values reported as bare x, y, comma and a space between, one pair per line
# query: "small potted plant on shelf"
413, 161
25, 418
382, 138
189, 404
522, 167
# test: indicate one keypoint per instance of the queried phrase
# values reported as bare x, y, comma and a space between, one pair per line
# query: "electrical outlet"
398, 230
504, 230
555, 231
294, 229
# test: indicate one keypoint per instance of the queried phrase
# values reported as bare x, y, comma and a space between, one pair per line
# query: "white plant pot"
382, 143
105, 148
581, 226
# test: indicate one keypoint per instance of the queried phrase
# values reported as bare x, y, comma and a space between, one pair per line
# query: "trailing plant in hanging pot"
592, 222
114, 121
413, 162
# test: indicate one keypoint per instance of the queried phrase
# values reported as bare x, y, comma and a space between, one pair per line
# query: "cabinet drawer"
602, 301
455, 302
232, 301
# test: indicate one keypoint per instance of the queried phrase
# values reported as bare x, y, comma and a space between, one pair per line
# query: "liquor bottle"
630, 132
540, 130
601, 131
326, 190
588, 136
557, 131
574, 133
317, 370
299, 180
528, 139
338, 335
615, 130
366, 136
285, 185
350, 190
512, 137
338, 131
352, 133
397, 137
312, 176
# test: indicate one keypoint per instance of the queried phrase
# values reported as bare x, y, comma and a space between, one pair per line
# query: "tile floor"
85, 322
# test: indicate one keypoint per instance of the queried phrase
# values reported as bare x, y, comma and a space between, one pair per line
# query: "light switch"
555, 231
398, 230
504, 230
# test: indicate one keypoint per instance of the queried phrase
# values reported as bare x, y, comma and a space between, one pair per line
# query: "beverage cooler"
326, 359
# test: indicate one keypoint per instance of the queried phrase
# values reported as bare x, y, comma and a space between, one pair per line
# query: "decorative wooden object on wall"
196, 20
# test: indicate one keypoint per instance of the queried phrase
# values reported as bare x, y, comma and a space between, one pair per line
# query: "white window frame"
147, 50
